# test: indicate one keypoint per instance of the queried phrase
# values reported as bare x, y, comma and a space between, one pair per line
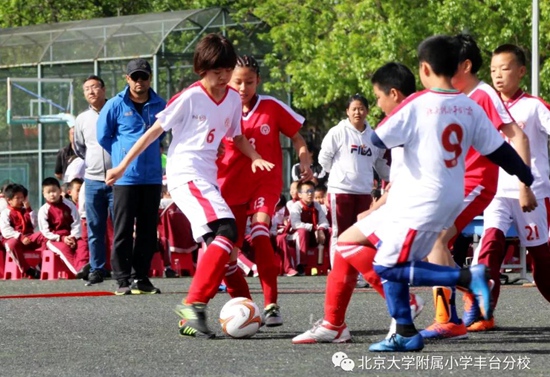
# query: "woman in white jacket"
349, 156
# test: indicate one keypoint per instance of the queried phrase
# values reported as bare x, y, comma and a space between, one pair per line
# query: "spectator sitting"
17, 226
320, 195
319, 173
59, 222
73, 190
310, 223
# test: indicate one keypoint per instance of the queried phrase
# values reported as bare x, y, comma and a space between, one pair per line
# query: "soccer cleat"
417, 305
361, 282
324, 332
193, 322
482, 325
123, 288
271, 316
471, 309
479, 286
144, 287
399, 343
447, 330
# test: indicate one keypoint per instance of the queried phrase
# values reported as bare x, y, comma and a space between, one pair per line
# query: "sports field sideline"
107, 335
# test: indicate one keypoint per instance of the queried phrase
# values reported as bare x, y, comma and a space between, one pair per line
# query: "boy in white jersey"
435, 128
533, 116
200, 117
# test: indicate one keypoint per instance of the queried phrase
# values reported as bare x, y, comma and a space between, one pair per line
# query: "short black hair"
512, 49
214, 51
305, 183
469, 50
75, 181
13, 188
321, 188
441, 53
51, 181
96, 78
360, 98
396, 76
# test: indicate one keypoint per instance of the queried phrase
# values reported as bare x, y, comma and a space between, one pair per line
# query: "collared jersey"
198, 125
533, 116
479, 170
262, 127
435, 129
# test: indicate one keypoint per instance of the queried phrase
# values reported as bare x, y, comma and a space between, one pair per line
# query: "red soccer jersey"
261, 126
479, 170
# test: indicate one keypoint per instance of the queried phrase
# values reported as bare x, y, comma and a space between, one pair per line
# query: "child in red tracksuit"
17, 226
59, 222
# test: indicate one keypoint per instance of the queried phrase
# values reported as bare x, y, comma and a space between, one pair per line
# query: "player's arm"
303, 155
507, 158
248, 150
143, 142
104, 128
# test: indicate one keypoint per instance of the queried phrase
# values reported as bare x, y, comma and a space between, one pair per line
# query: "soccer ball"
240, 318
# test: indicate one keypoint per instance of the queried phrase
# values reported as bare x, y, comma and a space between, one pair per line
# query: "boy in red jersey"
264, 119
200, 117
533, 116
480, 185
60, 224
17, 224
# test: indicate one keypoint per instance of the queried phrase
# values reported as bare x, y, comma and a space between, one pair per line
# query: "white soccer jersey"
533, 117
198, 125
349, 156
435, 129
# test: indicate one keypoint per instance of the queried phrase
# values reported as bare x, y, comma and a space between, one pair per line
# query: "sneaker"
95, 277
123, 288
83, 272
398, 343
447, 330
481, 289
169, 273
417, 305
324, 332
193, 322
144, 287
291, 272
471, 309
361, 282
271, 316
482, 325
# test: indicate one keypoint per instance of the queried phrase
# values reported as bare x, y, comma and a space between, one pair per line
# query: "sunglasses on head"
140, 75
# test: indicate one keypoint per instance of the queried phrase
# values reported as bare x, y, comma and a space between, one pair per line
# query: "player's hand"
320, 236
113, 175
221, 150
306, 174
26, 241
527, 200
261, 164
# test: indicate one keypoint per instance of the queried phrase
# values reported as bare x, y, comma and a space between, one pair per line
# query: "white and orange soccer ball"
240, 318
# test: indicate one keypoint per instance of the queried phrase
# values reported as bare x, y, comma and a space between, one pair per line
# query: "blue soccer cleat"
480, 288
398, 343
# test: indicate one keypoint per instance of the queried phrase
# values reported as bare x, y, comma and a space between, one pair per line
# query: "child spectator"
73, 190
17, 224
310, 223
320, 196
59, 222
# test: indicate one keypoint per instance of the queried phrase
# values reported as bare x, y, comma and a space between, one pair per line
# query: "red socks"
235, 281
541, 266
210, 271
265, 260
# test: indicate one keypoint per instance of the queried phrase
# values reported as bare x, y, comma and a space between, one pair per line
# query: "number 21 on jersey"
451, 139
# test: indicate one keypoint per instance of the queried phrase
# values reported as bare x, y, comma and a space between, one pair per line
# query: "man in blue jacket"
121, 122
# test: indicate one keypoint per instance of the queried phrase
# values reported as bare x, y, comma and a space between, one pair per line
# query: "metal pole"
535, 49
155, 73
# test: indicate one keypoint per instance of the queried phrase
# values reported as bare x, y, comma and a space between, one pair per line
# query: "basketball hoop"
30, 129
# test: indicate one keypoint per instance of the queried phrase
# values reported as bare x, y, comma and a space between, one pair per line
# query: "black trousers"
134, 205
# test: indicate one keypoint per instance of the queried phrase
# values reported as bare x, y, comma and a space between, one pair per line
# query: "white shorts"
395, 242
202, 203
532, 227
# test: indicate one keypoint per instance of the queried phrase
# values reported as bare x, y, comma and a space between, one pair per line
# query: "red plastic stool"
182, 263
53, 267
157, 266
2, 263
312, 261
11, 270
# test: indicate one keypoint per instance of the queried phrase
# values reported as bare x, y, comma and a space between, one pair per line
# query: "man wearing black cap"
121, 122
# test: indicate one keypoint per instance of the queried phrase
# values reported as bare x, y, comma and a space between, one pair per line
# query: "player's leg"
447, 323
540, 256
234, 280
212, 221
